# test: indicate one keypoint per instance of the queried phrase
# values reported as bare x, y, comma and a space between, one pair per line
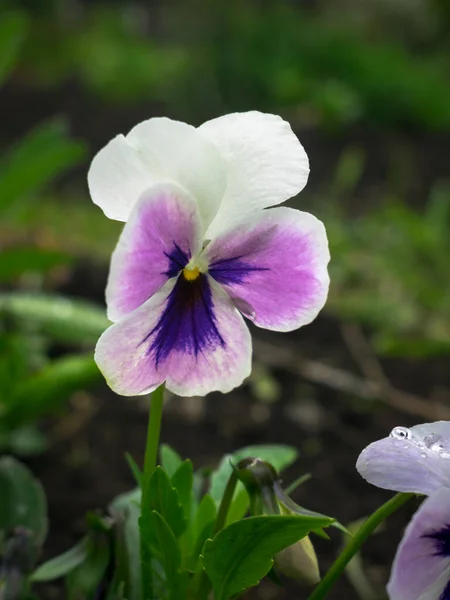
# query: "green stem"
153, 433
225, 503
356, 542
150, 461
203, 585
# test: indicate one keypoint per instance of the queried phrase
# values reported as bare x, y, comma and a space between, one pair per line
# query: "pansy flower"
421, 568
200, 248
409, 460
417, 460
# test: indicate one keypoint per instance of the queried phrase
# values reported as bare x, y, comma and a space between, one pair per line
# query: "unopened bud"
299, 562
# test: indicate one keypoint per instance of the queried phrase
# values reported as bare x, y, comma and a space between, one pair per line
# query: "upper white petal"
154, 151
266, 164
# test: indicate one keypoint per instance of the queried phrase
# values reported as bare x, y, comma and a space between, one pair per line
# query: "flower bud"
262, 483
299, 562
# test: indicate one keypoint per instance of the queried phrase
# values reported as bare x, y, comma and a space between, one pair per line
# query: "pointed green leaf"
163, 498
84, 581
62, 565
137, 473
170, 459
22, 500
160, 544
125, 509
240, 555
182, 481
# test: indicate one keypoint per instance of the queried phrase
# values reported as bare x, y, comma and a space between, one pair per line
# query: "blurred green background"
365, 85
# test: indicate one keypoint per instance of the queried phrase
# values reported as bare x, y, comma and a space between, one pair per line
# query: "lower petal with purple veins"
156, 244
421, 569
275, 266
189, 334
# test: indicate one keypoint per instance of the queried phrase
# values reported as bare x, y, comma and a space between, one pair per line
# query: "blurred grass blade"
47, 390
62, 565
64, 320
13, 27
41, 155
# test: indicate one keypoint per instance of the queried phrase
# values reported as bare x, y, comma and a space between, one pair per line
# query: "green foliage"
330, 71
22, 501
40, 156
63, 564
242, 554
392, 274
13, 27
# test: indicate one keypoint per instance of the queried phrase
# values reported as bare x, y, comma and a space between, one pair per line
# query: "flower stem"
153, 433
203, 584
150, 461
225, 503
356, 542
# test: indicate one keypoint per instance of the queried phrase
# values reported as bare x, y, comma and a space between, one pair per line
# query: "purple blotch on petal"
188, 323
178, 259
232, 270
441, 540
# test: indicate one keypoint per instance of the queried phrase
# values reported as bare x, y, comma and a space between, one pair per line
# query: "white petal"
155, 151
266, 164
117, 177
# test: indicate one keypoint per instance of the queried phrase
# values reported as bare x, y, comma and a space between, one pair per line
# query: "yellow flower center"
191, 274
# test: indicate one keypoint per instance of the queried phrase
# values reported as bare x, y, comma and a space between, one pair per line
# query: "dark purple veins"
232, 270
178, 259
441, 541
188, 323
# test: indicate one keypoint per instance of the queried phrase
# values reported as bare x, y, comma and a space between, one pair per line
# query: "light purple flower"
198, 249
409, 460
421, 568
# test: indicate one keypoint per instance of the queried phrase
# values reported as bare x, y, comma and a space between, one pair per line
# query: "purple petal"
275, 268
409, 460
421, 569
188, 334
156, 244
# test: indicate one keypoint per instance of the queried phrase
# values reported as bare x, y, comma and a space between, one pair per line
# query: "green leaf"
163, 498
160, 544
125, 509
203, 528
278, 455
182, 481
48, 389
63, 320
137, 473
26, 440
64, 563
13, 27
22, 500
240, 555
14, 262
42, 154
84, 580
206, 514
170, 459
